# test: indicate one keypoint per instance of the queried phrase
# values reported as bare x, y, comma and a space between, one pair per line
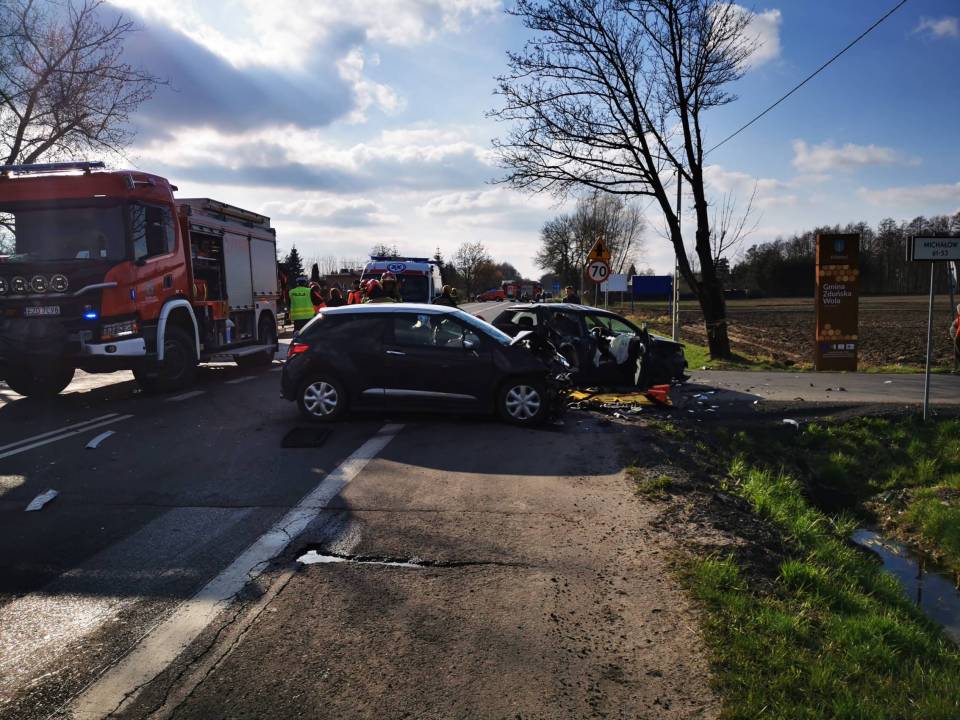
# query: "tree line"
785, 267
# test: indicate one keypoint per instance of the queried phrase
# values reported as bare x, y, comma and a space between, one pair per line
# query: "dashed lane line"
119, 686
186, 396
240, 379
62, 436
56, 432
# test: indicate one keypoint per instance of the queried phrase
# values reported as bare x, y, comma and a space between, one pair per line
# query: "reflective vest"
301, 307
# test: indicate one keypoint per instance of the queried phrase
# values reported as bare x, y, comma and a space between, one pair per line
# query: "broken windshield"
34, 232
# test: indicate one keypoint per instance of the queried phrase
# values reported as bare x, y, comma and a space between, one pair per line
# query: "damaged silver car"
604, 348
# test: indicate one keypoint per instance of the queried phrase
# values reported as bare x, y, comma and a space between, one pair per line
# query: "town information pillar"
837, 302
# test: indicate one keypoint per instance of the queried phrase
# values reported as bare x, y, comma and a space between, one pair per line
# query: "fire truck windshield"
35, 232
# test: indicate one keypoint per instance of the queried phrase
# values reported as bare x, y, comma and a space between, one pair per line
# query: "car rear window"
341, 327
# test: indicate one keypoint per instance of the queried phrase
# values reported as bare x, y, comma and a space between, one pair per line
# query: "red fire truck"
107, 271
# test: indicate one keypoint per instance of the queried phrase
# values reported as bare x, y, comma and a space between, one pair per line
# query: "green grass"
894, 463
833, 637
698, 358
650, 487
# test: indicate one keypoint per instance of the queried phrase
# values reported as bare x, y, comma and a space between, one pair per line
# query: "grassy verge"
833, 638
822, 631
897, 470
698, 358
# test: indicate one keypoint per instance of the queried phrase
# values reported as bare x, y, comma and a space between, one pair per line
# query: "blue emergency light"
90, 315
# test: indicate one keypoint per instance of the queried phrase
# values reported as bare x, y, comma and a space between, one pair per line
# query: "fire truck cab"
106, 271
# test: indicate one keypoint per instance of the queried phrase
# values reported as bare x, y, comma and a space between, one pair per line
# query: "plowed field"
893, 330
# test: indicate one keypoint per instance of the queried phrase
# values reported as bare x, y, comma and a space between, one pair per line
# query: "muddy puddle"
934, 592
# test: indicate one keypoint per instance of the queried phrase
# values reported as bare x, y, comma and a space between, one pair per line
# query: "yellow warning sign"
599, 251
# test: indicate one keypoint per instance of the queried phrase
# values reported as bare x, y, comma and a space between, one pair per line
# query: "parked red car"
492, 294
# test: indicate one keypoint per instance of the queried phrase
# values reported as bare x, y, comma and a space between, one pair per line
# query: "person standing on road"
336, 298
301, 304
446, 297
391, 288
375, 293
571, 296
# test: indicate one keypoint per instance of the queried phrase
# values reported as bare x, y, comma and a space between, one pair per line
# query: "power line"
810, 76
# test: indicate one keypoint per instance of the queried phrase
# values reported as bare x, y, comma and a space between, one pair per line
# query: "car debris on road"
40, 500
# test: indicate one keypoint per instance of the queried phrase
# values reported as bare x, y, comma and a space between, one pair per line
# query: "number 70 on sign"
598, 271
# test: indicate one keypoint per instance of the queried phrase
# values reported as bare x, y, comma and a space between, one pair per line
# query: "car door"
434, 359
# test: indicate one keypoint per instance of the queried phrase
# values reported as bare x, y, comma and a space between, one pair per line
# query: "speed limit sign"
598, 271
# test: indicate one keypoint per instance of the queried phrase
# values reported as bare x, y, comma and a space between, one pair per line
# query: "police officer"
301, 304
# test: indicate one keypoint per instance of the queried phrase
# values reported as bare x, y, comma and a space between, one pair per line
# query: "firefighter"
391, 288
446, 297
301, 305
355, 296
375, 293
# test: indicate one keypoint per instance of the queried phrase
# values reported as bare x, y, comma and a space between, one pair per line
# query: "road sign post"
931, 250
598, 264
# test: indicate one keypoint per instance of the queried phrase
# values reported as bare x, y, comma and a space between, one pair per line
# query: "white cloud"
770, 191
827, 157
286, 32
762, 31
366, 92
765, 28
332, 211
939, 28
945, 197
308, 160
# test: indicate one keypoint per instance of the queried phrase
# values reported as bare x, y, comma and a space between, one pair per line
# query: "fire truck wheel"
266, 335
40, 383
178, 368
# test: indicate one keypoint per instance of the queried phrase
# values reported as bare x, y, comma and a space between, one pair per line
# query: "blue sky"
354, 122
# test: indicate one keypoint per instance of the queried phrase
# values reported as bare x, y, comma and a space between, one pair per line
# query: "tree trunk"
714, 309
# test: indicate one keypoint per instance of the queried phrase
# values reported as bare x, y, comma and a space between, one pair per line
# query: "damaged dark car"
604, 348
421, 358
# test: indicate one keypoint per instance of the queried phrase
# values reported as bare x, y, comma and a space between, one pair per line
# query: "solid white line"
95, 442
19, 450
240, 379
56, 432
186, 396
121, 684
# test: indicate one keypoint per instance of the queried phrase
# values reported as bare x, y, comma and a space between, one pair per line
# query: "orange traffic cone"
659, 394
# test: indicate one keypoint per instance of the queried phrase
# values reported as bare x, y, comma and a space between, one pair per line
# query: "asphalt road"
481, 570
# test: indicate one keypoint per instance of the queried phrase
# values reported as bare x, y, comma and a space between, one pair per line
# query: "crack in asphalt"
328, 556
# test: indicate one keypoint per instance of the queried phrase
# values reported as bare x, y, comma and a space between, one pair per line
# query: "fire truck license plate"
44, 311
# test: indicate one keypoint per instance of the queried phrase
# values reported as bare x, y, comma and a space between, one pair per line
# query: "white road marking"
240, 379
186, 396
38, 629
63, 436
120, 685
95, 442
56, 432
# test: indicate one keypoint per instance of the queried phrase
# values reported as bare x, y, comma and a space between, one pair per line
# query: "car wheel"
322, 399
522, 401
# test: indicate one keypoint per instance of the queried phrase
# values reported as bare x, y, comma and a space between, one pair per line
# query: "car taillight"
297, 348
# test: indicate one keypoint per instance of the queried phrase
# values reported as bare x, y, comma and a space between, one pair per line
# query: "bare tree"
64, 88
728, 227
610, 95
472, 262
566, 240
383, 250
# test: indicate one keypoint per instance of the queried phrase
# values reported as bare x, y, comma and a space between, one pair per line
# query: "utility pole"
676, 270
